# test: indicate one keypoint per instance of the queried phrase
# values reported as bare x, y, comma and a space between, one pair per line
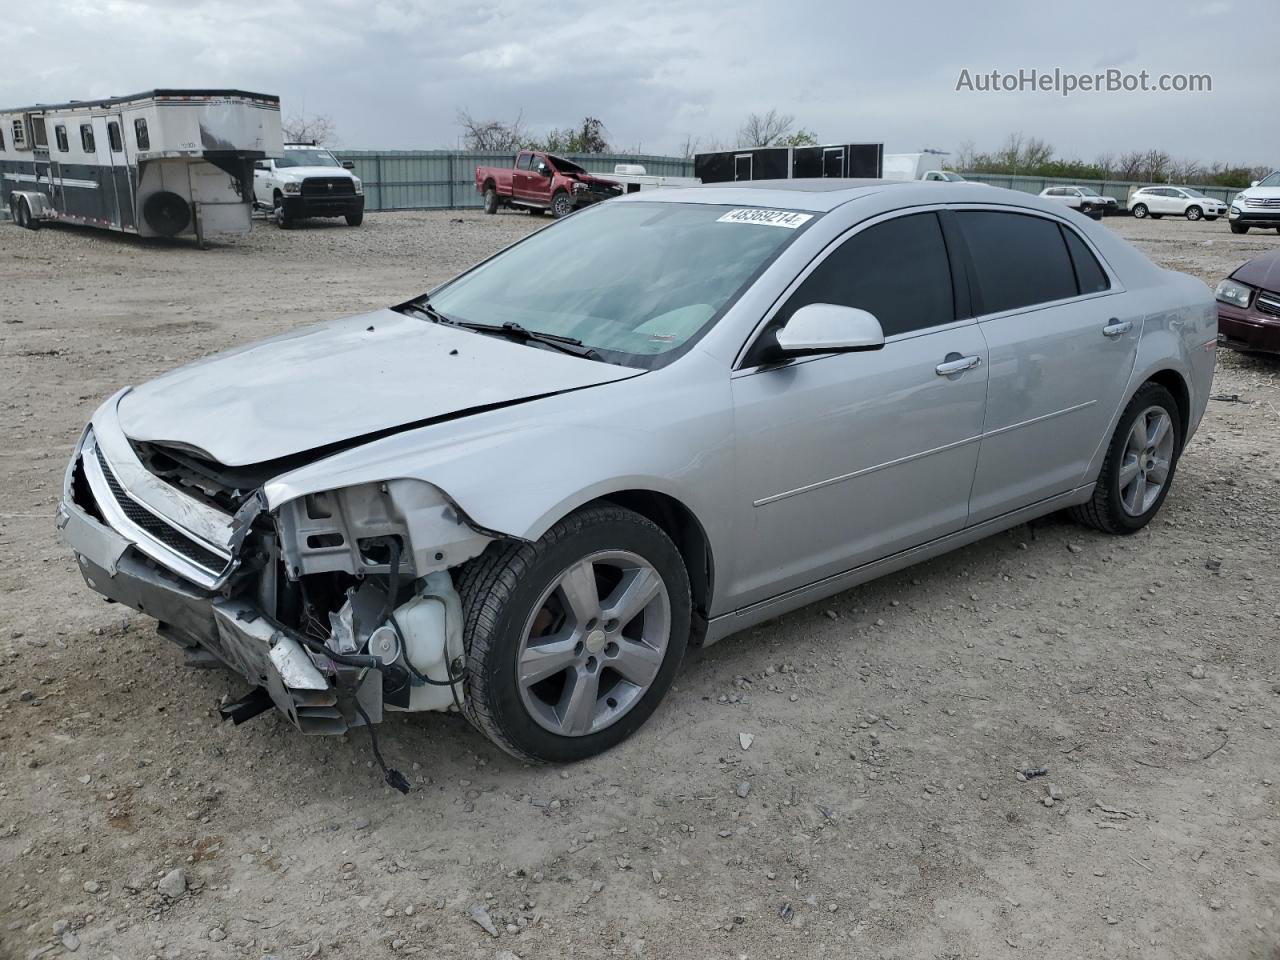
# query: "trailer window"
1, 139
86, 138
38, 133
113, 137
140, 132
60, 134
19, 135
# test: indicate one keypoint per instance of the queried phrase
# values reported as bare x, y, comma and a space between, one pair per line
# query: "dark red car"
539, 181
1249, 306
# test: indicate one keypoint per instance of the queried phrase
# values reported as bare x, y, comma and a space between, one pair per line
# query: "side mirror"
1255, 183
827, 328
546, 172
348, 164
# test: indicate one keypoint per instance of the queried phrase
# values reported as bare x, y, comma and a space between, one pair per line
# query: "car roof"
817, 194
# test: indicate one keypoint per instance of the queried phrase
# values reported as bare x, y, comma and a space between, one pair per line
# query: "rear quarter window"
1019, 260
1090, 277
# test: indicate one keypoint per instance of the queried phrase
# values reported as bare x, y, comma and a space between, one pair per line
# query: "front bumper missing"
317, 695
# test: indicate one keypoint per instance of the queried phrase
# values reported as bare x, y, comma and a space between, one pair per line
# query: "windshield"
1271, 181
953, 177
1192, 192
636, 281
307, 158
1089, 191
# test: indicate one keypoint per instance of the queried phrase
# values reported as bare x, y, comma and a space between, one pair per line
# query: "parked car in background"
948, 175
1249, 306
1156, 202
662, 421
1084, 199
538, 182
308, 181
1258, 206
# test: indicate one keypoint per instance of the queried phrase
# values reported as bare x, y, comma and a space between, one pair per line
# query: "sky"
393, 74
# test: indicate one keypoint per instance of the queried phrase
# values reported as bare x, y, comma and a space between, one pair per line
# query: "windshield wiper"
510, 330
513, 331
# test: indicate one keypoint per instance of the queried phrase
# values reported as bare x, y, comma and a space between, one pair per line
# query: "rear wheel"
1194, 212
561, 205
574, 639
1241, 228
28, 219
1139, 466
490, 200
1140, 210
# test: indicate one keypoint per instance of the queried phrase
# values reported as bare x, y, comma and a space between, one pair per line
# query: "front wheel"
1241, 228
280, 215
574, 639
1140, 210
1139, 465
1194, 213
355, 219
1211, 219
561, 205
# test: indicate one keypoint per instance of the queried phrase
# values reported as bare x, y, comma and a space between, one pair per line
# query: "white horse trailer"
635, 178
166, 163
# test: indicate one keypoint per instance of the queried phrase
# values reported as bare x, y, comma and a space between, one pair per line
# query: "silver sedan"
658, 422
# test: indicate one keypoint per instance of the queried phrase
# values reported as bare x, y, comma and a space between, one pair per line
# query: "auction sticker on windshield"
768, 218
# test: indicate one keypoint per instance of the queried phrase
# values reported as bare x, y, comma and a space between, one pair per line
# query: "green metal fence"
445, 179
1119, 189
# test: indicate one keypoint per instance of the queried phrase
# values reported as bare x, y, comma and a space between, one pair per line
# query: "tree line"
1034, 157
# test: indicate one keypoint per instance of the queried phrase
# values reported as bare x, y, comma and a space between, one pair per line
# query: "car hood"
1263, 272
1257, 193
302, 172
342, 381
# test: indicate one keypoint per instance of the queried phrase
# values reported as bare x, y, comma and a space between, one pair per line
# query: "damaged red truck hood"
335, 382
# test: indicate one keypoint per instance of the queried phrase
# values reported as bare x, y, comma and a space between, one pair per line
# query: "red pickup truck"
542, 181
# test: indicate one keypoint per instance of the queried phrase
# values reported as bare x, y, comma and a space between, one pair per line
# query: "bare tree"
493, 136
1035, 153
760, 130
689, 147
966, 155
300, 128
1105, 163
1185, 171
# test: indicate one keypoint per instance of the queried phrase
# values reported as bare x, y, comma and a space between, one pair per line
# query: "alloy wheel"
594, 643
1148, 456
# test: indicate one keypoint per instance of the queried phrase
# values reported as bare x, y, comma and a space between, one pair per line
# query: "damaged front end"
334, 606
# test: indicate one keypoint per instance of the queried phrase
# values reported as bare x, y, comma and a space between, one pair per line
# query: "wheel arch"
490, 184
684, 528
1174, 382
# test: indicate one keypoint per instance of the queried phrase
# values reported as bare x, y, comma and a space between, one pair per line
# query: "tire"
561, 205
1211, 219
29, 220
511, 587
1140, 210
1118, 504
490, 200
1194, 213
355, 219
1241, 228
279, 214
166, 213
15, 211
1157, 216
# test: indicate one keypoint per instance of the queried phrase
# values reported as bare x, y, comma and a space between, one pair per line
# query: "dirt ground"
876, 814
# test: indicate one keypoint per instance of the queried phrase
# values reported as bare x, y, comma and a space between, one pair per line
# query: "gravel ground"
876, 813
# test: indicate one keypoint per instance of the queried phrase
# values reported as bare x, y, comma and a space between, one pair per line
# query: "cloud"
393, 73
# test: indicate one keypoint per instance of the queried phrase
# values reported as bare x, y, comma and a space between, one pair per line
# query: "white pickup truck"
308, 181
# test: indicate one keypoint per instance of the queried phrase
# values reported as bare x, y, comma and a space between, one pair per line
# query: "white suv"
1187, 202
308, 181
1085, 199
1259, 206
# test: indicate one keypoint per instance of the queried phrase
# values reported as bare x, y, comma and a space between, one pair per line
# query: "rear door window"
1019, 260
1090, 277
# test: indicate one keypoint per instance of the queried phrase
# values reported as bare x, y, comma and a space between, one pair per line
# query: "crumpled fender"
516, 471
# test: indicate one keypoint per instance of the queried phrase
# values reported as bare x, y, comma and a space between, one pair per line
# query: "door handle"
1116, 328
955, 364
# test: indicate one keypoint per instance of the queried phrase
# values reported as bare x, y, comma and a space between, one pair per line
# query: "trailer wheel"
15, 213
28, 220
490, 200
166, 213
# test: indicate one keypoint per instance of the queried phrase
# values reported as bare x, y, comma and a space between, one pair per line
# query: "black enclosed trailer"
784, 163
